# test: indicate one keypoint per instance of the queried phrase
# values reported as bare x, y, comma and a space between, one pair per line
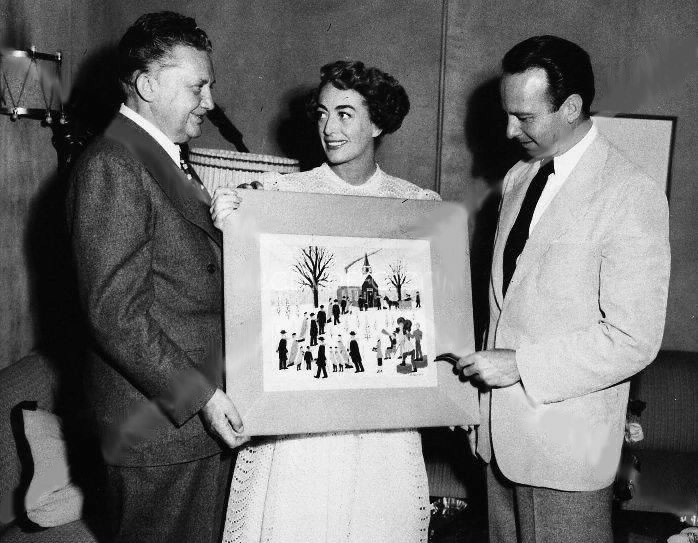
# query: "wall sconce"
30, 85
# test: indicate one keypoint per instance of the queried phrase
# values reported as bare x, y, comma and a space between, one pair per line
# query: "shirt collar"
158, 135
565, 163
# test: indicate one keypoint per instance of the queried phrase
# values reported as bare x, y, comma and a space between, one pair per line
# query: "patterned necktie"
519, 232
192, 175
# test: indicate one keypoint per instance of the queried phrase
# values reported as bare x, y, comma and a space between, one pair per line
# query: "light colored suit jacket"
584, 311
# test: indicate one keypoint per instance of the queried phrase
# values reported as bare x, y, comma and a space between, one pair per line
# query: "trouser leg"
548, 516
160, 504
527, 514
501, 510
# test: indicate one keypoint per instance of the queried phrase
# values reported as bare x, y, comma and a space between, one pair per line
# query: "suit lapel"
565, 211
171, 179
514, 196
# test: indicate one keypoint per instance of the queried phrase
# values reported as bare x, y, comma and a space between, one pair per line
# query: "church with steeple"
360, 285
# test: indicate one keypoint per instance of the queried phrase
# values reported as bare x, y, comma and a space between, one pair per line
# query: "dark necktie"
519, 232
192, 176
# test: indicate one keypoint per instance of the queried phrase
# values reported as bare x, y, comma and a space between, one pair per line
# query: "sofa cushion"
52, 498
34, 379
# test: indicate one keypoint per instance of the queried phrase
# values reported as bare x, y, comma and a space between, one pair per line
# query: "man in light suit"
148, 259
578, 298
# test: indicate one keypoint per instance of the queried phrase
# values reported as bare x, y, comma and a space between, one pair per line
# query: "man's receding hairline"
550, 98
167, 60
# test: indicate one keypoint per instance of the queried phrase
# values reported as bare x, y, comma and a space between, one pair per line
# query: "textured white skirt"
345, 487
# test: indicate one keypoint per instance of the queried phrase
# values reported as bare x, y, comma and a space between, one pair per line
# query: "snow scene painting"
346, 313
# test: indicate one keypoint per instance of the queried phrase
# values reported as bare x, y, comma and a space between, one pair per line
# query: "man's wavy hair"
385, 98
151, 39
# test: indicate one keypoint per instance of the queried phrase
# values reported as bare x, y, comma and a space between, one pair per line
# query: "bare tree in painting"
397, 277
313, 267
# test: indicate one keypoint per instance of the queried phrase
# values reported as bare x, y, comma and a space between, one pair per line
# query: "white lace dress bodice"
342, 487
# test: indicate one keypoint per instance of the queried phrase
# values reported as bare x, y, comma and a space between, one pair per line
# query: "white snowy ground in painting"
284, 302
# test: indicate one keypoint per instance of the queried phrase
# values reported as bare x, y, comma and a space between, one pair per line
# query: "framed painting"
647, 140
336, 307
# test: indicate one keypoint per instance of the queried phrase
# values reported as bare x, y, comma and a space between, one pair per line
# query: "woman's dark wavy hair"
385, 98
151, 39
567, 66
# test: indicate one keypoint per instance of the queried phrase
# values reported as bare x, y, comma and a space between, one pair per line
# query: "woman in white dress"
343, 351
351, 486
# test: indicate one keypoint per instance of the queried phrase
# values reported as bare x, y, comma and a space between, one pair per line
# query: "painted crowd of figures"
325, 347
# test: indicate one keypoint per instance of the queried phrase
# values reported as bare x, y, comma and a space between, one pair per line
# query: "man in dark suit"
321, 320
335, 312
313, 330
321, 360
578, 295
282, 350
355, 353
344, 304
308, 357
148, 259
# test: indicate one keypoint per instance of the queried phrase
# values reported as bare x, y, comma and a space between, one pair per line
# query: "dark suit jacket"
148, 260
354, 350
281, 349
321, 358
321, 317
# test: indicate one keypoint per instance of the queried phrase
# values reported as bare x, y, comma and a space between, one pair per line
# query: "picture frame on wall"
336, 308
647, 140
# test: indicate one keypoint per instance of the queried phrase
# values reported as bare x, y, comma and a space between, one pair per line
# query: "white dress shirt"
158, 135
563, 164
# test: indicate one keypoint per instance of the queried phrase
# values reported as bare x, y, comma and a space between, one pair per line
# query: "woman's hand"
225, 200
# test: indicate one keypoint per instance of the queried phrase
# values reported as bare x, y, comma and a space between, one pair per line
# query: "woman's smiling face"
344, 125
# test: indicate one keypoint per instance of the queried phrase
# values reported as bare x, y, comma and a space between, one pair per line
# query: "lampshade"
30, 85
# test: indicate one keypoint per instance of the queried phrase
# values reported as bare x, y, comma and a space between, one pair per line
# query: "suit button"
211, 268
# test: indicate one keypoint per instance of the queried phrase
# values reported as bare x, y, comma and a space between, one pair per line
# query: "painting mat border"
452, 402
